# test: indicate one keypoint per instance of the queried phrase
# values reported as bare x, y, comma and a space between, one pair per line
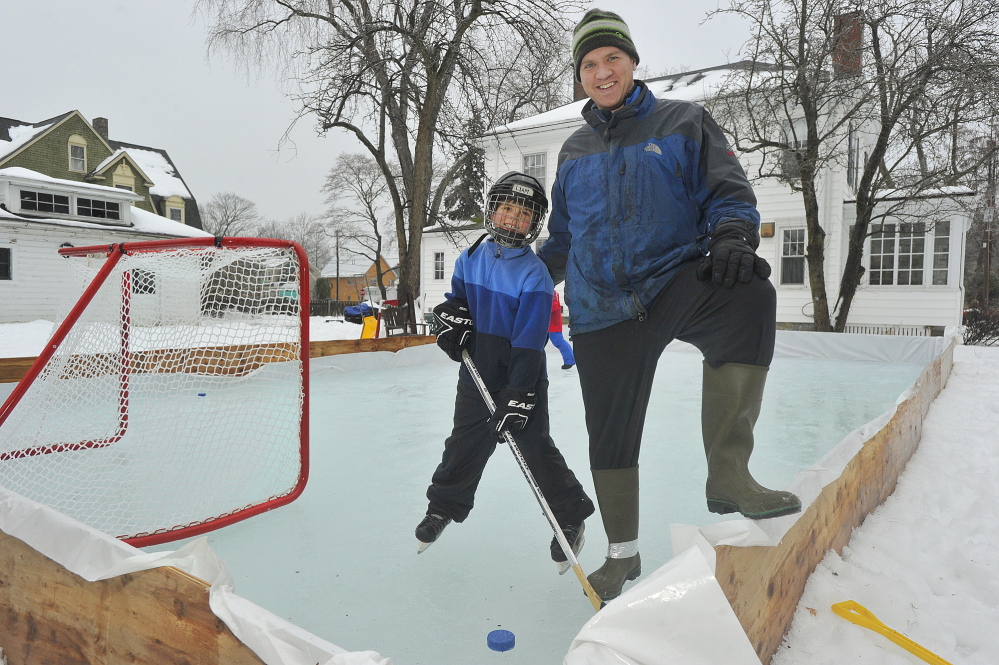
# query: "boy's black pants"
472, 441
617, 364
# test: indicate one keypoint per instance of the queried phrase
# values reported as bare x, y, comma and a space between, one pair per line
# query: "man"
654, 228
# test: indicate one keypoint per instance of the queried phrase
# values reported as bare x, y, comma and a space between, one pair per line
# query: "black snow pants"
617, 364
472, 441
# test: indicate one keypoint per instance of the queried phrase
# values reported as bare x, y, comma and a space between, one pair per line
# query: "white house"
913, 280
39, 214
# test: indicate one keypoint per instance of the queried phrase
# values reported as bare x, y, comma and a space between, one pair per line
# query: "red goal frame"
114, 253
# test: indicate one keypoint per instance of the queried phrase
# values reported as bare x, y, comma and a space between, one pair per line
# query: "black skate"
574, 534
429, 530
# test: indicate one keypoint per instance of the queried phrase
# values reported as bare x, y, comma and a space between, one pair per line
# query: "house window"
911, 250
941, 253
6, 272
123, 187
44, 202
796, 133
792, 257
143, 281
882, 270
77, 153
97, 208
795, 137
536, 165
899, 254
438, 265
176, 214
853, 158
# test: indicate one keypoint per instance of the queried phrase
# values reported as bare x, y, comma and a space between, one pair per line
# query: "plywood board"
48, 615
764, 584
226, 359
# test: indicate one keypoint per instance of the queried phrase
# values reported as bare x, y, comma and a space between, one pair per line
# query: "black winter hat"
600, 28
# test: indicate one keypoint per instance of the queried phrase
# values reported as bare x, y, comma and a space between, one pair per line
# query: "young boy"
498, 309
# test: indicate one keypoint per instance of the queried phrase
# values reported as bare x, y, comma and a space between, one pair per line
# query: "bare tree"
897, 77
307, 230
360, 210
228, 214
389, 72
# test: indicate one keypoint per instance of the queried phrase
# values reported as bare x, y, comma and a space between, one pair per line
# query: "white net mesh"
176, 398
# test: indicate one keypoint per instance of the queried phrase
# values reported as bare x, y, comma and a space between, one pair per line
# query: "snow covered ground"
926, 562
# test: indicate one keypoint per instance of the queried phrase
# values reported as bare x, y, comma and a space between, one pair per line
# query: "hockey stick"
566, 548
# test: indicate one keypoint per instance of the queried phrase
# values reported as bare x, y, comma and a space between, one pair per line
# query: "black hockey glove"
732, 256
456, 329
513, 408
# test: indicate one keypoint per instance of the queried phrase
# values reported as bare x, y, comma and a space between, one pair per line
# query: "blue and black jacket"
635, 196
509, 295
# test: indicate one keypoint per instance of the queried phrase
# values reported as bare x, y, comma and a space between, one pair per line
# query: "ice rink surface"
341, 561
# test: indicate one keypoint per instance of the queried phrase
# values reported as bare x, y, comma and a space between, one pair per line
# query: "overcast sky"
142, 65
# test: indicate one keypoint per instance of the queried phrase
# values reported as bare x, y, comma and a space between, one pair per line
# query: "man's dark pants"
472, 442
617, 364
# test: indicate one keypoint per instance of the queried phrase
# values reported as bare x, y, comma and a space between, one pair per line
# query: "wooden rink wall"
49, 615
764, 584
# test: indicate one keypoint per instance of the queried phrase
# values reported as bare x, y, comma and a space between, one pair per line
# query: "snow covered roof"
20, 172
19, 135
694, 86
156, 166
933, 193
142, 222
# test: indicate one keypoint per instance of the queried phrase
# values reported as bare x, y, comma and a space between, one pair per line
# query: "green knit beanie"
600, 28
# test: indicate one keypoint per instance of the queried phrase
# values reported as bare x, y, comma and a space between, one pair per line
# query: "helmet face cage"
515, 210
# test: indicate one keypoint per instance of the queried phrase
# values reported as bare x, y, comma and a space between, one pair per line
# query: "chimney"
101, 127
577, 91
848, 50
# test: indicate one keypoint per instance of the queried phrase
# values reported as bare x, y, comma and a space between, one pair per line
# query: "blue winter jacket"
636, 194
509, 295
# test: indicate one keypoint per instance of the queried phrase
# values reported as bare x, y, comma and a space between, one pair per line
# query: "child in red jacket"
555, 334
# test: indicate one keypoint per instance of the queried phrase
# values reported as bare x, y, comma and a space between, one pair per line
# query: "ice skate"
574, 535
430, 530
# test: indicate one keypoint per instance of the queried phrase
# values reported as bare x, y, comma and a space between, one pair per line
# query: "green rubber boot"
617, 495
730, 405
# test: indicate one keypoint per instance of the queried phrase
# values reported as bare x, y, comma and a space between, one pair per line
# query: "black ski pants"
472, 441
617, 364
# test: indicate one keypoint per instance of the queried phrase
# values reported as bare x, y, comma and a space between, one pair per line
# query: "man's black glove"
513, 408
732, 256
455, 327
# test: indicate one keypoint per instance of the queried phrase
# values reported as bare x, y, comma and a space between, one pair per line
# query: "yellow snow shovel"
856, 613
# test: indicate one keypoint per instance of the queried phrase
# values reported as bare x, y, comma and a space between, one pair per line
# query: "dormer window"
175, 208
97, 208
44, 202
53, 198
77, 154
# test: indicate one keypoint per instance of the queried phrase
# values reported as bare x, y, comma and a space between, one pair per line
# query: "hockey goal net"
173, 398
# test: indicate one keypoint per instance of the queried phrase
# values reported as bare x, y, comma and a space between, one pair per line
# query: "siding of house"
50, 154
41, 277
140, 185
433, 290
777, 203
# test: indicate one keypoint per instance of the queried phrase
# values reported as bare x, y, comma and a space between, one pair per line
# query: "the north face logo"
652, 147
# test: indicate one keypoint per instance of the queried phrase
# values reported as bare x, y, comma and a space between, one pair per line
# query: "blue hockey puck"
202, 394
500, 640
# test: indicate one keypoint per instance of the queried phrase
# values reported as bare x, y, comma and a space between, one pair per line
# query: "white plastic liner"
678, 614
97, 556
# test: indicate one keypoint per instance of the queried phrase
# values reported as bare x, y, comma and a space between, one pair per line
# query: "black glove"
732, 255
513, 408
456, 329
